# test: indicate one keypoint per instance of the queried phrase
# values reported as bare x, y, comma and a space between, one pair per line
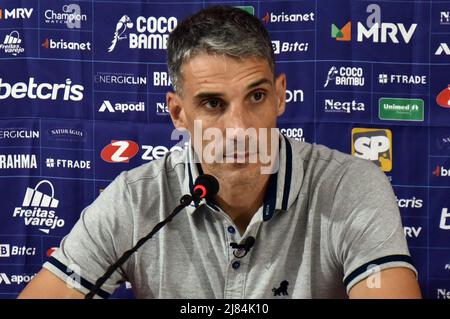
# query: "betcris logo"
374, 30
150, 33
444, 222
374, 145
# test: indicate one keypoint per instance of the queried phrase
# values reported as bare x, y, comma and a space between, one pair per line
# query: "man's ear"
176, 110
280, 87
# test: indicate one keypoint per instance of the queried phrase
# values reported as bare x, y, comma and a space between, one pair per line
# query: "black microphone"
240, 250
206, 186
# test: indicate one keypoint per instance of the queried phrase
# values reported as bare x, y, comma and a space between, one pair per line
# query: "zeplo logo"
443, 98
374, 145
119, 151
149, 33
41, 91
38, 209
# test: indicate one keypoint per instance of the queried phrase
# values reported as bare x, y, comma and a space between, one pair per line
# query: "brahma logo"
342, 34
443, 98
119, 151
151, 32
374, 145
38, 209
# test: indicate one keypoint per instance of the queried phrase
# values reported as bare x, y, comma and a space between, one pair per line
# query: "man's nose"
237, 117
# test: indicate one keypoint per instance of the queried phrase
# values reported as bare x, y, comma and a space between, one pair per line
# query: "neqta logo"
119, 151
443, 98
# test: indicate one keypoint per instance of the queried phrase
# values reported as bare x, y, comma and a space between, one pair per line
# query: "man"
326, 225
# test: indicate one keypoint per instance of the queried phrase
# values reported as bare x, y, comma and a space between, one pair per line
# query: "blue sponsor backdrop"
82, 98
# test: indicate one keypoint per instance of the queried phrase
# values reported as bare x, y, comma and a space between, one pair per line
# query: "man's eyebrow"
207, 95
259, 82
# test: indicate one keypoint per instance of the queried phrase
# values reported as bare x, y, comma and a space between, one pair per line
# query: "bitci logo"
119, 151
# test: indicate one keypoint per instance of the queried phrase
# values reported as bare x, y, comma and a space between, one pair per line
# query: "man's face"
224, 95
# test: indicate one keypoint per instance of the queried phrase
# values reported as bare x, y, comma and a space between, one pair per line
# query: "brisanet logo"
283, 17
374, 145
39, 209
61, 44
374, 30
144, 33
441, 171
398, 109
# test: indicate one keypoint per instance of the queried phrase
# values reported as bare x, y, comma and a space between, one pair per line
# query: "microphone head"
206, 186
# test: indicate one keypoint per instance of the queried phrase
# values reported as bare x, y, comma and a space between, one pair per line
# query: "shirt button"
231, 229
236, 264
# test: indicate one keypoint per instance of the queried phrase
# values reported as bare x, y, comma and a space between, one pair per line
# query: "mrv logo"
149, 32
41, 91
122, 107
374, 145
16, 13
345, 76
38, 209
375, 30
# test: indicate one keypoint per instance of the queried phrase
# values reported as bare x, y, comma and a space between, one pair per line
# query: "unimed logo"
119, 151
374, 145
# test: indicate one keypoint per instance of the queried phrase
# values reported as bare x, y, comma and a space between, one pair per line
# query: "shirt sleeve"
366, 232
102, 234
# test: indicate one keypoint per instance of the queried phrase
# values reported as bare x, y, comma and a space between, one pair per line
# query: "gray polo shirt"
328, 221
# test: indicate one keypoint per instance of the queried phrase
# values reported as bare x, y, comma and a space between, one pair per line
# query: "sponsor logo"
295, 96
38, 209
65, 163
118, 78
443, 98
162, 108
443, 222
11, 44
50, 251
122, 107
374, 145
442, 49
345, 76
445, 17
7, 250
161, 79
15, 279
396, 109
156, 152
41, 91
18, 161
286, 46
71, 16
18, 134
441, 171
271, 17
64, 45
249, 9
443, 293
294, 133
16, 13
66, 134
409, 202
342, 34
149, 33
333, 106
119, 151
402, 79
443, 142
412, 232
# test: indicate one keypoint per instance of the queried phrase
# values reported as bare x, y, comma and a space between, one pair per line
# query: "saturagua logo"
39, 209
150, 33
41, 91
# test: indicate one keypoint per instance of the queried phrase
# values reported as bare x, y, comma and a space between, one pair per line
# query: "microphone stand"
184, 202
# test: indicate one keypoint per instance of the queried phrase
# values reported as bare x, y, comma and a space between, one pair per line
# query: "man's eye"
258, 96
213, 104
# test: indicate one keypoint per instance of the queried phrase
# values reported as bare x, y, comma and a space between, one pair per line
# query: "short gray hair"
221, 30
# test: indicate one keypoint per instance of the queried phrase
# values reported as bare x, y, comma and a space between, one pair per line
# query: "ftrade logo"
374, 145
121, 107
402, 79
71, 16
65, 45
345, 76
342, 34
16, 13
38, 209
149, 33
443, 98
11, 44
41, 91
67, 163
119, 151
271, 17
